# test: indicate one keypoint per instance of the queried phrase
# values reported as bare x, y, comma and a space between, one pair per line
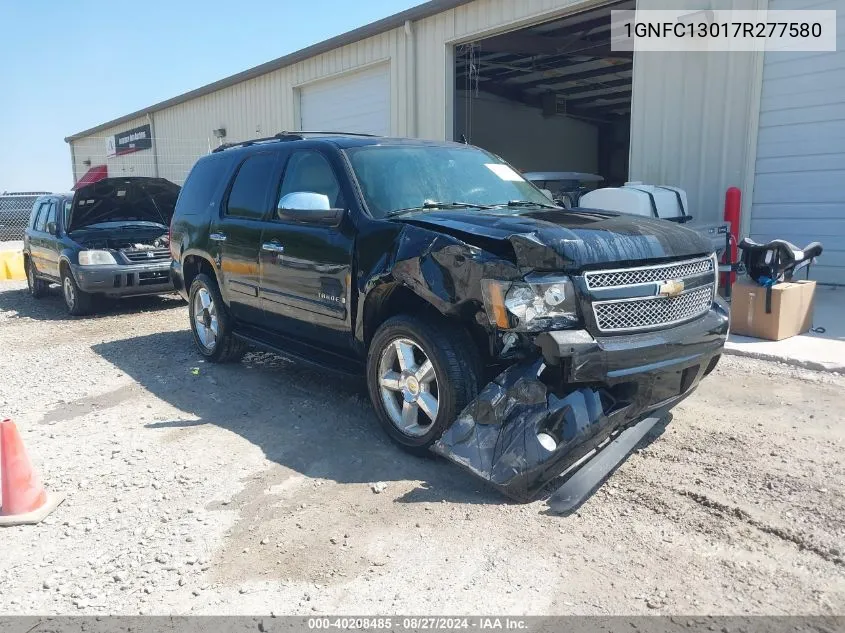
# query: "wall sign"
133, 140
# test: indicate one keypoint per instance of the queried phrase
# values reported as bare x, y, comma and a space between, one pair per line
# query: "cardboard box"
792, 309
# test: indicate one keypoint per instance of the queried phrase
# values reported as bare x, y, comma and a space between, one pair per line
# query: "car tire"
455, 365
37, 287
77, 302
211, 324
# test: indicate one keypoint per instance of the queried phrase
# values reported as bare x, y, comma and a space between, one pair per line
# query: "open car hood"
136, 199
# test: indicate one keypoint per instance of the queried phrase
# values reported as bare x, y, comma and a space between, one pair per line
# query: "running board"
591, 475
300, 353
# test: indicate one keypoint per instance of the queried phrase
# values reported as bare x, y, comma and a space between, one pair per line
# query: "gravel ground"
245, 489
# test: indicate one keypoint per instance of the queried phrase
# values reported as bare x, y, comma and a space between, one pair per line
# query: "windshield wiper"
527, 203
431, 204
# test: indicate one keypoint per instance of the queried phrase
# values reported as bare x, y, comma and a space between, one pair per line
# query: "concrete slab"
14, 245
823, 351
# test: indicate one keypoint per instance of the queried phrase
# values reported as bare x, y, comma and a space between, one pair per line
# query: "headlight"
541, 302
96, 258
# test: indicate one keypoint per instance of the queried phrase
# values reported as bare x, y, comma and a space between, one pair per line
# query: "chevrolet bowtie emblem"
671, 288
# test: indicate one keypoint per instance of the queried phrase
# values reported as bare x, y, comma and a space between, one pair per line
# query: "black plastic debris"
518, 435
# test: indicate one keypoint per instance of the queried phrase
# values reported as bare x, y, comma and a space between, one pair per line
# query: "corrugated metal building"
535, 81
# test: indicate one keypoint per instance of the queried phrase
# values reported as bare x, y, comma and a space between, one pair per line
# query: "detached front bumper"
125, 280
575, 395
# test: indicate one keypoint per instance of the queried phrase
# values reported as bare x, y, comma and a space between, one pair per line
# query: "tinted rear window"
200, 189
248, 198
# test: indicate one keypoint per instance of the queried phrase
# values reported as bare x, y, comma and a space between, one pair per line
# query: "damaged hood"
135, 199
567, 239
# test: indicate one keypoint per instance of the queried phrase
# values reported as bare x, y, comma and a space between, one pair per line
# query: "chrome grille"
646, 274
651, 312
147, 255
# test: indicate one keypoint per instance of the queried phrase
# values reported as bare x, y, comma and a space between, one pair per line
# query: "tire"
77, 302
37, 287
455, 364
207, 312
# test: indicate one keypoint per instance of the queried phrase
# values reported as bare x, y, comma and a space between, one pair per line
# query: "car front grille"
147, 255
647, 274
651, 297
153, 278
652, 312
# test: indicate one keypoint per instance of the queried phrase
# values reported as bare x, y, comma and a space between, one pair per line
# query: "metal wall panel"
799, 190
93, 149
693, 120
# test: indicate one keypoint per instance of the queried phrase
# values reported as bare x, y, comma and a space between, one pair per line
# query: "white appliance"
652, 201
655, 201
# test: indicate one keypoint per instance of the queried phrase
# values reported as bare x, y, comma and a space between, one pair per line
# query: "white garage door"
799, 189
357, 102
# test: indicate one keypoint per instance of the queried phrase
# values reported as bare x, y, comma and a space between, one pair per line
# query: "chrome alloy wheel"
205, 319
69, 290
408, 386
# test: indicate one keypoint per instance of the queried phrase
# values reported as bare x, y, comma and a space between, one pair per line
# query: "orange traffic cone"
23, 498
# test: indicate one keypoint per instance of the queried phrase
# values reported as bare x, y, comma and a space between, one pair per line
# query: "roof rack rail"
286, 136
26, 193
336, 133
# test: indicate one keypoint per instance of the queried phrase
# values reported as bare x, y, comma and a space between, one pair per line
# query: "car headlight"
541, 302
96, 258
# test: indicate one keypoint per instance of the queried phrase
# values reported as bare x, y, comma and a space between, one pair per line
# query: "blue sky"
67, 66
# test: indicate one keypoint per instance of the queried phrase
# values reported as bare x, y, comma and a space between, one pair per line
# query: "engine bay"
128, 243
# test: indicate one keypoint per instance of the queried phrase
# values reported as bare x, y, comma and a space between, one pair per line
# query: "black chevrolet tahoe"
519, 339
108, 239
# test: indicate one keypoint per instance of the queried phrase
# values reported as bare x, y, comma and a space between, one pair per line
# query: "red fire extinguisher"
733, 202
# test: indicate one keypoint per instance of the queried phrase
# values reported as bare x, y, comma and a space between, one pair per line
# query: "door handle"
217, 237
272, 247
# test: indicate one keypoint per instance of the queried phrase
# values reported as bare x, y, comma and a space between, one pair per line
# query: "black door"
306, 265
235, 236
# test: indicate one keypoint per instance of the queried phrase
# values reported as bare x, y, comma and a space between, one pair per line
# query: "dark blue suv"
109, 238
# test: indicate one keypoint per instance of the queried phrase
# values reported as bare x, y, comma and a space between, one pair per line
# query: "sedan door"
306, 255
235, 236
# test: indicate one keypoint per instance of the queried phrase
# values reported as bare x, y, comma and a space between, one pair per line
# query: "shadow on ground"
52, 307
316, 424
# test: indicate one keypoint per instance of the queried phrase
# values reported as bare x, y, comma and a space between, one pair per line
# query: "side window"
201, 187
309, 171
248, 197
41, 218
51, 215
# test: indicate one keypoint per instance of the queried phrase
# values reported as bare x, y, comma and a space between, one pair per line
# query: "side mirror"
308, 207
52, 229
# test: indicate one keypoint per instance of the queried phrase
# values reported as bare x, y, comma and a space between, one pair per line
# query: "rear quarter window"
202, 187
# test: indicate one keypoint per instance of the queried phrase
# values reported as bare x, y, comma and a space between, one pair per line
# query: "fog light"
547, 441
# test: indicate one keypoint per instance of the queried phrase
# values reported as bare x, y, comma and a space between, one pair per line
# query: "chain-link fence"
14, 213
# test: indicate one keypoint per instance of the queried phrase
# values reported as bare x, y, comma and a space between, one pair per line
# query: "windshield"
400, 178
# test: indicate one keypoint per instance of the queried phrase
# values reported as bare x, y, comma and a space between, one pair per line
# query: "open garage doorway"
551, 97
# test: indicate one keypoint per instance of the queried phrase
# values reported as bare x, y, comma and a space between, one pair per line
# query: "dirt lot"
248, 489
